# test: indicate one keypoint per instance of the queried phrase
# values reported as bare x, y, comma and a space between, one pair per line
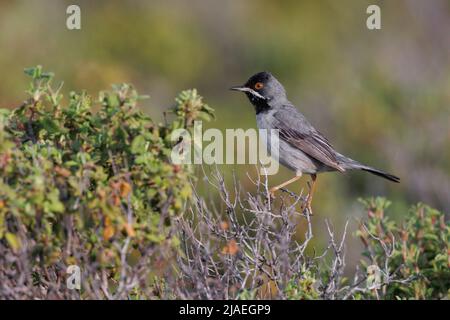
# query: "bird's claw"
270, 197
272, 194
306, 209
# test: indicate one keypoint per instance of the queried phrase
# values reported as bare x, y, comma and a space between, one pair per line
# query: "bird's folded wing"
310, 142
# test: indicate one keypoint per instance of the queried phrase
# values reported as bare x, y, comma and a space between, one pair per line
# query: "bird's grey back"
287, 116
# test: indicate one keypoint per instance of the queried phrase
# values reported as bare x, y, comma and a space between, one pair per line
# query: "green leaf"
13, 241
138, 146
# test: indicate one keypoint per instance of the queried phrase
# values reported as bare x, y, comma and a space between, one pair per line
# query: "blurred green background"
382, 97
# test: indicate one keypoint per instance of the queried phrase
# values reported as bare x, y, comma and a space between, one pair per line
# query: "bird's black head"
263, 90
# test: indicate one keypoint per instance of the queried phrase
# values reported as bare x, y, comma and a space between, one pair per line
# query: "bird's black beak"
239, 88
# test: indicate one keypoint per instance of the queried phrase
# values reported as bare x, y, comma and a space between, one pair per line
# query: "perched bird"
301, 147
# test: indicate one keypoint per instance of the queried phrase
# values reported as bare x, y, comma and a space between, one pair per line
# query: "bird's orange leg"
311, 192
274, 189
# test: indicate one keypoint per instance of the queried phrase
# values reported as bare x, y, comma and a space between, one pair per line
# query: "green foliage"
191, 107
74, 180
418, 250
304, 288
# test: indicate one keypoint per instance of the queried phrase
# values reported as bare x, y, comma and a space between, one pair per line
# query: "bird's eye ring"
259, 85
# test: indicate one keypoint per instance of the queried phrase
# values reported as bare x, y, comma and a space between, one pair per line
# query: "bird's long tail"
348, 163
382, 174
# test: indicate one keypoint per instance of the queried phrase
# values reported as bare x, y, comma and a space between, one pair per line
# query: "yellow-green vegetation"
418, 249
76, 186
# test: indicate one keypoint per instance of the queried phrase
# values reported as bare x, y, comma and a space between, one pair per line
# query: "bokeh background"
382, 97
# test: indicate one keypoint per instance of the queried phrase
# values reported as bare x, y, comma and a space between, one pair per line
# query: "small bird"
301, 148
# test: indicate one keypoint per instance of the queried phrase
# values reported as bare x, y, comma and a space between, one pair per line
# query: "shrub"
86, 188
250, 248
418, 250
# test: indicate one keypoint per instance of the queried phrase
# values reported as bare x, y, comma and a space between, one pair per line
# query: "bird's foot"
272, 193
306, 210
270, 197
306, 207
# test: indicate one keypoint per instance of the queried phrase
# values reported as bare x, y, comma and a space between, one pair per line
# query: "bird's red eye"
259, 85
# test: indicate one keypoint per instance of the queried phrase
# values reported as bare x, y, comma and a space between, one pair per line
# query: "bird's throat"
261, 105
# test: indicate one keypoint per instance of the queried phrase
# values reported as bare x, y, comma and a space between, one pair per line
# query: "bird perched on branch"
301, 147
